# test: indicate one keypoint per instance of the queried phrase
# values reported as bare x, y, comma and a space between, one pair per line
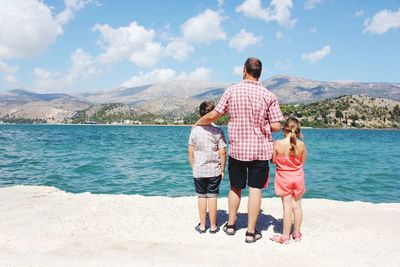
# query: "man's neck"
250, 78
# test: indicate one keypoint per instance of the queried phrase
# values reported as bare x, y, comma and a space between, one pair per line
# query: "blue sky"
89, 45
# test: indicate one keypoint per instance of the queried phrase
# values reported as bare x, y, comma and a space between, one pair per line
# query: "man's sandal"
280, 239
254, 237
227, 227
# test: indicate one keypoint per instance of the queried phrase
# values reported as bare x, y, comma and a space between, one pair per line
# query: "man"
254, 113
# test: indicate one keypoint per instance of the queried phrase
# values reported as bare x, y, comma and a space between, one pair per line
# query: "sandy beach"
43, 226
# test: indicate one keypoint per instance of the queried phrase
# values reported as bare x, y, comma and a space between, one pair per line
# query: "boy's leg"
298, 214
287, 202
212, 194
202, 203
201, 190
212, 212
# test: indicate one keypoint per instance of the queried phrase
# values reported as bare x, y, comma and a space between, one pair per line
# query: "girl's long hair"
292, 127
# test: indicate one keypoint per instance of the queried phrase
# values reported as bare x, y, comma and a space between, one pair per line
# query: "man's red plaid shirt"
251, 108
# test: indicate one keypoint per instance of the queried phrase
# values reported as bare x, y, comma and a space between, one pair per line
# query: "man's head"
252, 67
205, 107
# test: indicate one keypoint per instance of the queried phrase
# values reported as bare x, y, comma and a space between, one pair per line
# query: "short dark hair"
253, 67
205, 107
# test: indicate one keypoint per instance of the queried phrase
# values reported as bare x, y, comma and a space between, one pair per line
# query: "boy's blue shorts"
207, 187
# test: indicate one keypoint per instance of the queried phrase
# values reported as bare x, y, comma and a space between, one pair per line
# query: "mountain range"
177, 98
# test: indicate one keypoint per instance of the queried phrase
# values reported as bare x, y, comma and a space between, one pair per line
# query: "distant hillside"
180, 89
347, 111
21, 106
298, 90
172, 101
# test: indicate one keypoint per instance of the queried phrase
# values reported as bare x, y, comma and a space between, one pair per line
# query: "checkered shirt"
207, 140
251, 108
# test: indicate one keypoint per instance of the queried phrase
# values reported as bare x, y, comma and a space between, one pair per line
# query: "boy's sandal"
227, 227
254, 237
280, 239
197, 228
214, 231
296, 236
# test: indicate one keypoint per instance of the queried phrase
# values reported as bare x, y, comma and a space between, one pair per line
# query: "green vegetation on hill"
113, 113
340, 112
347, 111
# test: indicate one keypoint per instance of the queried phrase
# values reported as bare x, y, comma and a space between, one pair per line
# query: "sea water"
152, 160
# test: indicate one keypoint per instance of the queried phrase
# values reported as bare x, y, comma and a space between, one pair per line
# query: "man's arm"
275, 126
222, 156
208, 118
191, 155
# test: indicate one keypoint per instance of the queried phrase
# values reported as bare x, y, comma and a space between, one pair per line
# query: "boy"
207, 156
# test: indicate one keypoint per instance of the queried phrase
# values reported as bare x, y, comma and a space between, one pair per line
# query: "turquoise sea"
152, 160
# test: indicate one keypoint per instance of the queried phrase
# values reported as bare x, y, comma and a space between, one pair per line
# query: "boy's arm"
191, 155
222, 156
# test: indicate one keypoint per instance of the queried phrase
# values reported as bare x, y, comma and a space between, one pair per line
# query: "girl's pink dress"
289, 176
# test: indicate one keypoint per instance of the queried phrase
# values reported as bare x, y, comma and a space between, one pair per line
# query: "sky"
78, 46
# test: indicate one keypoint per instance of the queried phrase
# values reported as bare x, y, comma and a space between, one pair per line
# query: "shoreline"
102, 230
186, 125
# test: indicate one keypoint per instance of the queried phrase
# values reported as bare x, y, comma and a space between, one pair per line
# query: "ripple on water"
341, 164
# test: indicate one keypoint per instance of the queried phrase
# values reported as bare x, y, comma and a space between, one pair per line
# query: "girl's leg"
212, 212
202, 203
298, 214
287, 202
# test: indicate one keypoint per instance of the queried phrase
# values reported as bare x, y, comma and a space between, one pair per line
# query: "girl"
289, 155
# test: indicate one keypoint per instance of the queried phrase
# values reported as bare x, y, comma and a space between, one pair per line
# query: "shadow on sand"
263, 223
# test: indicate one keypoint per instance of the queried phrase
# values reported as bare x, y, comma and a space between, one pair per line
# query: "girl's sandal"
280, 239
296, 236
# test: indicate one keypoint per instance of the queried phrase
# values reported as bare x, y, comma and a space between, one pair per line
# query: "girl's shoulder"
301, 143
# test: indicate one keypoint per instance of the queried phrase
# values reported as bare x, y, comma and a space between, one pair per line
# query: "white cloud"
148, 56
382, 22
203, 28
310, 4
199, 74
133, 42
8, 69
317, 55
283, 65
27, 28
10, 79
48, 81
359, 13
244, 39
279, 35
165, 75
83, 66
312, 30
238, 70
220, 3
279, 11
71, 7
178, 50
